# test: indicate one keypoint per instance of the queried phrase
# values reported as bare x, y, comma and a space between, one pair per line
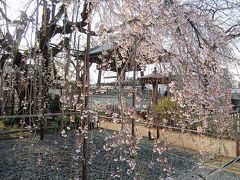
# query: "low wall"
220, 147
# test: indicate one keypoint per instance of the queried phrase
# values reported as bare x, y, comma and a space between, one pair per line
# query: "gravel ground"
58, 157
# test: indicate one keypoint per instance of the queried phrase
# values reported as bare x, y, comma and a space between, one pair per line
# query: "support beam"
99, 77
154, 94
85, 106
142, 84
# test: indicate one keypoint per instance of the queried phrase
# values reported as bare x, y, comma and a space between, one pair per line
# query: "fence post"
41, 127
236, 129
158, 134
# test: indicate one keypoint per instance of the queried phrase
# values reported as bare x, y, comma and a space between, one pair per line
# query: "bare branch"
4, 15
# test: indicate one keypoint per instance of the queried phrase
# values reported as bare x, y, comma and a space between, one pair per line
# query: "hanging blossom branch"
193, 45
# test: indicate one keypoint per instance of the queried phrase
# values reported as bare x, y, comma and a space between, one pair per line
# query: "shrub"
168, 111
54, 121
77, 118
66, 120
8, 122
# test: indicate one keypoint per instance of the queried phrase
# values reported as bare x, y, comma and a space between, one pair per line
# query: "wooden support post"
158, 133
85, 105
99, 77
150, 135
84, 159
238, 148
154, 94
134, 94
41, 128
36, 61
142, 84
2, 93
237, 139
40, 76
133, 127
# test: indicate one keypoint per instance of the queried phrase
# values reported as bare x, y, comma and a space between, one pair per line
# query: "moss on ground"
13, 135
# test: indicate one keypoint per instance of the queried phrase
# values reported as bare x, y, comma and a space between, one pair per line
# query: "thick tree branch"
234, 35
69, 27
4, 16
197, 32
56, 18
